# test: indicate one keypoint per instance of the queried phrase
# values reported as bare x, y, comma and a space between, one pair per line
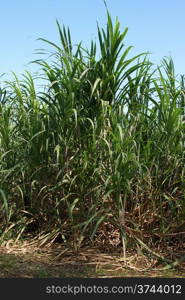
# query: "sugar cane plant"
103, 142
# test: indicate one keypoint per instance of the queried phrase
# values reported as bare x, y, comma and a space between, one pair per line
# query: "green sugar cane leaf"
50, 43
37, 134
5, 203
98, 223
98, 80
71, 208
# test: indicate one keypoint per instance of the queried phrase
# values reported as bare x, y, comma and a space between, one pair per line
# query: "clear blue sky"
157, 26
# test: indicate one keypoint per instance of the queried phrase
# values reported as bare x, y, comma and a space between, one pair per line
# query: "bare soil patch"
24, 260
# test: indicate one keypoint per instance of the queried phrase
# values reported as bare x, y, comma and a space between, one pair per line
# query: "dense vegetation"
102, 144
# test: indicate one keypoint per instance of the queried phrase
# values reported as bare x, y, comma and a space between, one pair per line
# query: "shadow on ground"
56, 262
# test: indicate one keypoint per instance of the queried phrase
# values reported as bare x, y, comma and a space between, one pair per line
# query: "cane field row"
98, 151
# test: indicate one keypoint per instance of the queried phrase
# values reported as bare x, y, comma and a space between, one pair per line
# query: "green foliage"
103, 141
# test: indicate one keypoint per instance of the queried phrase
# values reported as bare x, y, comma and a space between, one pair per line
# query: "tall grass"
102, 143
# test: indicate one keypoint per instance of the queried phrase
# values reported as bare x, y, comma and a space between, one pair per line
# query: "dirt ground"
24, 260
